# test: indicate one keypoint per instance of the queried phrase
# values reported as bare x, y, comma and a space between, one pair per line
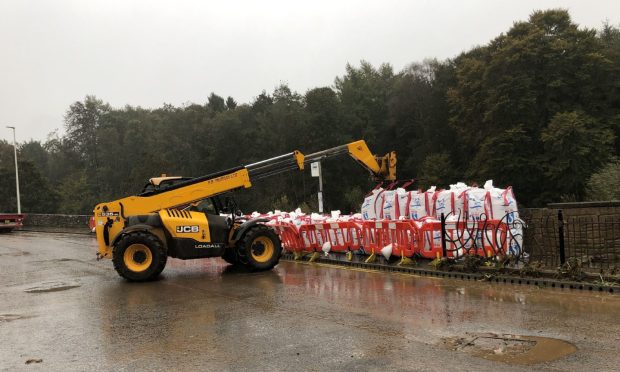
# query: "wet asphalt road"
59, 305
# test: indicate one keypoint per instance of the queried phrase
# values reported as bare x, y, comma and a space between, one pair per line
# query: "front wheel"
139, 256
230, 256
260, 248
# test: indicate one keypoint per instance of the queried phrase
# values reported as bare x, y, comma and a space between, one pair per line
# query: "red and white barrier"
289, 236
333, 236
398, 238
403, 223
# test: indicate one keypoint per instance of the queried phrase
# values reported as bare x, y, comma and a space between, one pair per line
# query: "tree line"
538, 108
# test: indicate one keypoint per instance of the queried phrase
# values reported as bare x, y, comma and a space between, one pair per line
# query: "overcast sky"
146, 53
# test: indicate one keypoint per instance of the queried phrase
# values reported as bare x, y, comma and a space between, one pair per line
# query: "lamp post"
19, 207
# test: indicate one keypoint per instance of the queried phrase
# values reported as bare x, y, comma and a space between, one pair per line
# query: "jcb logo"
187, 229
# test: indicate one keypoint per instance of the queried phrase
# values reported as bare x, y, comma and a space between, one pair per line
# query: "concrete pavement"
60, 309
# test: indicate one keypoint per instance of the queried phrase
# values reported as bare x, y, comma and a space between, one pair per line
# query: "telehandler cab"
181, 217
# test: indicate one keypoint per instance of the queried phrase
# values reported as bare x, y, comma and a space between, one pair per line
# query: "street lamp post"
19, 207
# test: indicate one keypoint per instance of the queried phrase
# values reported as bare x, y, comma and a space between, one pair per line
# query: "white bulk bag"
503, 203
369, 211
478, 203
420, 203
450, 201
443, 203
389, 205
404, 198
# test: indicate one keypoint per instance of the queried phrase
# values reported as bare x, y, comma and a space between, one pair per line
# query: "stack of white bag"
299, 218
460, 201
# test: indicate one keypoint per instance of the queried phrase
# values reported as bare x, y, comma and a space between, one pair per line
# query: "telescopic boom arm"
380, 168
188, 191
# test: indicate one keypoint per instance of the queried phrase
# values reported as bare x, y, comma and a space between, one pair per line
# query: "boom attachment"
380, 167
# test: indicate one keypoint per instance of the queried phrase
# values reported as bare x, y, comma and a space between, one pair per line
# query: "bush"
603, 185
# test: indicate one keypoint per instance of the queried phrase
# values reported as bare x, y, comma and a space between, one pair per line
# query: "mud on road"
60, 309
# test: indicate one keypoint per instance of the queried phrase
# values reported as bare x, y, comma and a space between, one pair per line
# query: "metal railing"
552, 237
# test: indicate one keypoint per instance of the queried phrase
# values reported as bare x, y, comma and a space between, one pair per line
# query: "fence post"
444, 250
561, 236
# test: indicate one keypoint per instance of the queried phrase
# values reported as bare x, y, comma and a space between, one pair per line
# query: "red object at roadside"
343, 236
291, 241
91, 224
402, 235
10, 221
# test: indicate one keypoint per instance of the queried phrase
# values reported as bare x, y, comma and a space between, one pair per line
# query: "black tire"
259, 248
139, 242
230, 256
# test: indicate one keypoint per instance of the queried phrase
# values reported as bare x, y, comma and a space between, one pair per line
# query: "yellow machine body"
110, 218
186, 224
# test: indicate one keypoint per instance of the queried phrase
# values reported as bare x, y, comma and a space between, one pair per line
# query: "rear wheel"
260, 247
139, 256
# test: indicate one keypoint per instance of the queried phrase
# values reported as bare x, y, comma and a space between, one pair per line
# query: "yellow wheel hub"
138, 257
262, 249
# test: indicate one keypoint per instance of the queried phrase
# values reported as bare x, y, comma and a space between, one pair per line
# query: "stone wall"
56, 220
589, 211
591, 233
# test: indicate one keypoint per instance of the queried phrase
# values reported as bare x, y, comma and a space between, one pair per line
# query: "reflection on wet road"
206, 315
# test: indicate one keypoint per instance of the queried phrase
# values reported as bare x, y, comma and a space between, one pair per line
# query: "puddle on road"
15, 254
511, 349
5, 318
56, 261
63, 260
52, 287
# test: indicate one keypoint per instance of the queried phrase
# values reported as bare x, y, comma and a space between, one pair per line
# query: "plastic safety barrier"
402, 235
402, 238
482, 238
289, 235
341, 236
430, 242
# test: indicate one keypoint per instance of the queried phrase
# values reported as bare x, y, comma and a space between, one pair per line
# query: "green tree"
511, 158
364, 93
231, 104
436, 170
419, 113
216, 103
82, 121
36, 195
610, 86
34, 152
76, 195
574, 144
519, 82
603, 184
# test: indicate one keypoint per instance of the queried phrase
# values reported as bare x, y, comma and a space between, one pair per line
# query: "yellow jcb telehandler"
182, 217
